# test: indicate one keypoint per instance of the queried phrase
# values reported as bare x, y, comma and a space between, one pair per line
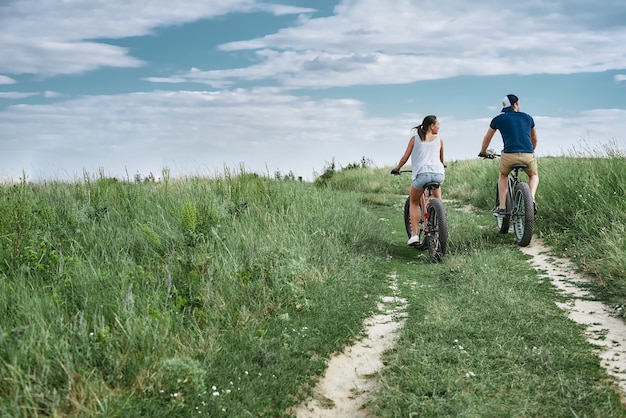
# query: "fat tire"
523, 214
437, 239
503, 222
407, 218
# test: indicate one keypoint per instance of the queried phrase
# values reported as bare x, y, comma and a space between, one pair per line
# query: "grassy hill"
225, 296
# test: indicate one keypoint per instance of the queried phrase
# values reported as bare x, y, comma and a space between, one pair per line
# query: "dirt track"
603, 328
351, 376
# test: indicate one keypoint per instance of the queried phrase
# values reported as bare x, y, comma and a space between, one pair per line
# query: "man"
520, 140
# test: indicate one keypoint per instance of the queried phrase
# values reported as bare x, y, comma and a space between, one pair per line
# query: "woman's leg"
414, 211
437, 192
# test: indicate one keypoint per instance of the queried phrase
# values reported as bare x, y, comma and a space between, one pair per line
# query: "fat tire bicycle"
520, 206
433, 225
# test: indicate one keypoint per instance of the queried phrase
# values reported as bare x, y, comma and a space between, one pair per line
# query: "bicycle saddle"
521, 166
432, 184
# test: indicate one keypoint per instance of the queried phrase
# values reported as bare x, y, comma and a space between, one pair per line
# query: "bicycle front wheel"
437, 233
523, 214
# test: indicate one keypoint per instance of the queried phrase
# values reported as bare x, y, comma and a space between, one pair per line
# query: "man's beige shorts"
506, 160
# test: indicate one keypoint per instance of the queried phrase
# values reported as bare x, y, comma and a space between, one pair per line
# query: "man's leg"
503, 188
533, 182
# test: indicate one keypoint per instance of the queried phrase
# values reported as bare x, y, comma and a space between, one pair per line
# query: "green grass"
484, 337
149, 299
581, 203
226, 296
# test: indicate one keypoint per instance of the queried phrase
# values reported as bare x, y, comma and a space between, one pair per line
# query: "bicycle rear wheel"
523, 214
407, 225
504, 221
437, 235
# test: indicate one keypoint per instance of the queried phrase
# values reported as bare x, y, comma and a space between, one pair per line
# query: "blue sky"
136, 86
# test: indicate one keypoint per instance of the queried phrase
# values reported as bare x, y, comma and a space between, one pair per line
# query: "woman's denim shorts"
423, 178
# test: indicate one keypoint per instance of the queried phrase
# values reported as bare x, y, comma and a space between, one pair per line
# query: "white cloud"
6, 80
265, 130
372, 42
51, 37
48, 58
52, 94
16, 95
364, 42
409, 41
195, 130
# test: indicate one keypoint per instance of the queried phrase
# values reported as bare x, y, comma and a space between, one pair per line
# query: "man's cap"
509, 100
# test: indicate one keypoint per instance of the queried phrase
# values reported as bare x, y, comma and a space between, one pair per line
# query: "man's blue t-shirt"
515, 130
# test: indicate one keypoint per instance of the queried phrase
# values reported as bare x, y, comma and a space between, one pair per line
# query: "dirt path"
351, 375
603, 328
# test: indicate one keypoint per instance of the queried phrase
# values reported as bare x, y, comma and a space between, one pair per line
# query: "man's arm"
533, 137
487, 140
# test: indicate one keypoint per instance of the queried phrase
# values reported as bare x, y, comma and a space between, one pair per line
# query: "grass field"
226, 296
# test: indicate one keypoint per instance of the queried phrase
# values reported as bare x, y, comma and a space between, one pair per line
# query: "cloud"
195, 131
52, 94
411, 42
48, 58
278, 127
280, 9
52, 37
371, 42
16, 95
265, 130
6, 80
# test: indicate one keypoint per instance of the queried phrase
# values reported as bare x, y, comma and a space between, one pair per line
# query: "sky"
126, 88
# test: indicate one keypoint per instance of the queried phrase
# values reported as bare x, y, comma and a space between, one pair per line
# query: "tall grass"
581, 203
185, 296
225, 296
483, 337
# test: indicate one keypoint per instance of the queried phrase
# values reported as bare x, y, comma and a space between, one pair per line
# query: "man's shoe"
413, 240
500, 213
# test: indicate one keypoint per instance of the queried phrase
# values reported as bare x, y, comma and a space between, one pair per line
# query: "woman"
426, 166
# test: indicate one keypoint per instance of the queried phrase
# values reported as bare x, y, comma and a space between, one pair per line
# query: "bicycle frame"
427, 196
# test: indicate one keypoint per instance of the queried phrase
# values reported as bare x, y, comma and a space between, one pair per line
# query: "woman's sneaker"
413, 240
500, 213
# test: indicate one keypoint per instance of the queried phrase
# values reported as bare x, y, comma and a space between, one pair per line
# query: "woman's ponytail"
423, 128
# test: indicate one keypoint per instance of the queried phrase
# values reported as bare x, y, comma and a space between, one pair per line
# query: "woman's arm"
407, 153
441, 152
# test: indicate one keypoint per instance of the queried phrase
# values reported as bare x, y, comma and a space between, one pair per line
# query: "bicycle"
520, 205
433, 225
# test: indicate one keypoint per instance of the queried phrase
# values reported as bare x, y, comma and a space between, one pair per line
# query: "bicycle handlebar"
398, 172
489, 155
